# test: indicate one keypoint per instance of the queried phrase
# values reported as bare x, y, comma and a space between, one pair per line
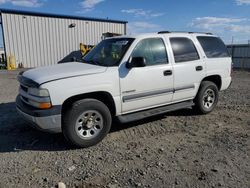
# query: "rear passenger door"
189, 68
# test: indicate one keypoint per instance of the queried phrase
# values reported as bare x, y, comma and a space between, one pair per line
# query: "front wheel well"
102, 96
216, 79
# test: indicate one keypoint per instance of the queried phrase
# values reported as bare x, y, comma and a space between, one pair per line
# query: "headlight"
38, 92
41, 105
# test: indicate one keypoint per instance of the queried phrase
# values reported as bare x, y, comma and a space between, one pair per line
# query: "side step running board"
155, 111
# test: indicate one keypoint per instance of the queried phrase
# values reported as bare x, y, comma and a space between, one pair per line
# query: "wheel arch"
102, 96
216, 79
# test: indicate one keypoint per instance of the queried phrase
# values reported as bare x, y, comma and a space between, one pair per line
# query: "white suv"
128, 77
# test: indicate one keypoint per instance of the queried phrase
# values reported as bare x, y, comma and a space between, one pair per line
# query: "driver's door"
149, 86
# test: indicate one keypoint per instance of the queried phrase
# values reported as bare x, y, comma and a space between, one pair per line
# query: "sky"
230, 19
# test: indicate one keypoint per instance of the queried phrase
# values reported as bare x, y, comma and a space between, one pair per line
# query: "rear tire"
86, 123
207, 98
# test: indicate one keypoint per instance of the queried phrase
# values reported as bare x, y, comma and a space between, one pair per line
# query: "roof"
172, 34
20, 12
185, 32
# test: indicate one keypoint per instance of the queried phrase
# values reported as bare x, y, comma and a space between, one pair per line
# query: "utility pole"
248, 57
232, 46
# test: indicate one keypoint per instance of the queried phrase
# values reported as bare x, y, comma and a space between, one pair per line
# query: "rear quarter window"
213, 47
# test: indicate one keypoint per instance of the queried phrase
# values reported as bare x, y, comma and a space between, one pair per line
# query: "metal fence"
241, 55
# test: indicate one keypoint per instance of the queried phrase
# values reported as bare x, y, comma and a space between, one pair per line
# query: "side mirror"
136, 62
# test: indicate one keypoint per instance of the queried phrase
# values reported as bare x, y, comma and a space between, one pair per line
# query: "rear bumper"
47, 120
226, 82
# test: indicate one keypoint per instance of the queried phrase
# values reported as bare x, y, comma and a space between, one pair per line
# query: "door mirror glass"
136, 62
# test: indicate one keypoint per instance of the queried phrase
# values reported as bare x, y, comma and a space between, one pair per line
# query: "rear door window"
183, 49
213, 47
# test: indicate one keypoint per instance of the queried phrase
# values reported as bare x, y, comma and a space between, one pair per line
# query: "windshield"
108, 52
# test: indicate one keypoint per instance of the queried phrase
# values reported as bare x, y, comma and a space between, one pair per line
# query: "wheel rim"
89, 124
208, 98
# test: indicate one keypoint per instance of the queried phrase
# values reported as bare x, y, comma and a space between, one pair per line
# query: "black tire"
79, 112
200, 107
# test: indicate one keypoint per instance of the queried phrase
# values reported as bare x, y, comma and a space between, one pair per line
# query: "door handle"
167, 72
199, 68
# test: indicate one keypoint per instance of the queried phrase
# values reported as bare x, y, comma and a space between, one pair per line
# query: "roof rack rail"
201, 33
190, 32
162, 32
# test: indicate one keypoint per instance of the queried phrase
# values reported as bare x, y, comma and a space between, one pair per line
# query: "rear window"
213, 47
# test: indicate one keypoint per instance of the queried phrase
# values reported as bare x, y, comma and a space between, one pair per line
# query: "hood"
60, 71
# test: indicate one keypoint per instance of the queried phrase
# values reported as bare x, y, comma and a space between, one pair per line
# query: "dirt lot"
179, 149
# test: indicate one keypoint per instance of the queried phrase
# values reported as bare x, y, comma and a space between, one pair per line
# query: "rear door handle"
167, 72
199, 68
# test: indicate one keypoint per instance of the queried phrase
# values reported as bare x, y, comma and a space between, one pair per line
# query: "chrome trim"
26, 102
139, 96
146, 95
21, 84
184, 87
129, 91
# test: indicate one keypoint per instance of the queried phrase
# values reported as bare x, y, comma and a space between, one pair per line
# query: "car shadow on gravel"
16, 135
117, 126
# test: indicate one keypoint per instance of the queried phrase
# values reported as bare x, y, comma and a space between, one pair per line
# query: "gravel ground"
179, 149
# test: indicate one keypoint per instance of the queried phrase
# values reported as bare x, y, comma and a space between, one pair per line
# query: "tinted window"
184, 50
153, 50
213, 47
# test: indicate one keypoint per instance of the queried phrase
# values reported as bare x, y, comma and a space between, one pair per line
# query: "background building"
39, 39
241, 55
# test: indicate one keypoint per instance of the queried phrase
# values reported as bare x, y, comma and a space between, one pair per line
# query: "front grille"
27, 98
24, 99
23, 91
24, 88
25, 84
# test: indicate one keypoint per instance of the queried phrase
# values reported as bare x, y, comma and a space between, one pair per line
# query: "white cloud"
142, 27
136, 12
23, 3
243, 2
222, 24
212, 22
239, 28
157, 14
141, 12
89, 5
3, 1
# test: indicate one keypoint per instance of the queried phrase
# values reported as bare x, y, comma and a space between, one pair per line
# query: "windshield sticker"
122, 42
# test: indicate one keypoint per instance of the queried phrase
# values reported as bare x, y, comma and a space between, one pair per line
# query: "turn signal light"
45, 105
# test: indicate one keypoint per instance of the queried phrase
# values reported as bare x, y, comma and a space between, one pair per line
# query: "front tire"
86, 123
207, 97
